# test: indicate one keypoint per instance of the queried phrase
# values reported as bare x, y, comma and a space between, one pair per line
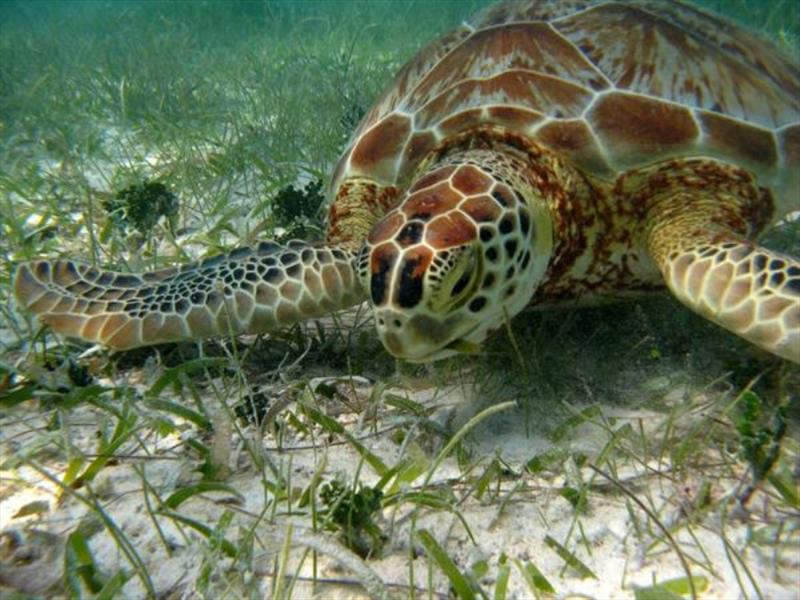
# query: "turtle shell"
611, 85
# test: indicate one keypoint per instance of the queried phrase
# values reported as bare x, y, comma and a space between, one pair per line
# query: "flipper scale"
249, 290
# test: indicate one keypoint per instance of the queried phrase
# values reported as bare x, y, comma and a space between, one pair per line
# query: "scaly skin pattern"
700, 221
463, 251
249, 290
359, 203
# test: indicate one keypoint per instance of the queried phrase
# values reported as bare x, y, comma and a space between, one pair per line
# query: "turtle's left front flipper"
249, 290
700, 235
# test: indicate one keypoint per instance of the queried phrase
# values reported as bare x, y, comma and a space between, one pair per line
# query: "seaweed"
297, 210
760, 439
350, 511
141, 205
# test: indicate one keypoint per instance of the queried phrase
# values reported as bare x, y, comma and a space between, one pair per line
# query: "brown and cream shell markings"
547, 150
610, 86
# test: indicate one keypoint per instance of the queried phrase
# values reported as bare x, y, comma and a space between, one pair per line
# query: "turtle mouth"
458, 345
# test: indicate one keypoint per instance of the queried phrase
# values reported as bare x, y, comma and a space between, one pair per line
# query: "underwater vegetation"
298, 209
141, 205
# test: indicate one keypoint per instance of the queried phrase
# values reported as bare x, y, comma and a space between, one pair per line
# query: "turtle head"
458, 256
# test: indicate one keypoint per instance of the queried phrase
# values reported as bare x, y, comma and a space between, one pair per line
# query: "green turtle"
543, 152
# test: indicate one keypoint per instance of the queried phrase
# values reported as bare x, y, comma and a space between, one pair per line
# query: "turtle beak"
422, 338
459, 346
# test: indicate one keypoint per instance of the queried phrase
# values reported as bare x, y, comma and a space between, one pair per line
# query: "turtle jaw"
423, 338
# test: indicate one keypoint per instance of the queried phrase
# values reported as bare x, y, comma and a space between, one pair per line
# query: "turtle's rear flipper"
699, 236
248, 290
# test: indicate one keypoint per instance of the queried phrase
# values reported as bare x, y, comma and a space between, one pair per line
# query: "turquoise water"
175, 57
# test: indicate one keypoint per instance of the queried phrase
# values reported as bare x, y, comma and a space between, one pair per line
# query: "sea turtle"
547, 151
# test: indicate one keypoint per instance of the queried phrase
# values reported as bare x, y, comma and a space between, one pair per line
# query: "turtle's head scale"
461, 253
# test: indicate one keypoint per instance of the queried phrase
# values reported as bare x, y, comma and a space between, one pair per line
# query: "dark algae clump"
351, 513
141, 205
298, 209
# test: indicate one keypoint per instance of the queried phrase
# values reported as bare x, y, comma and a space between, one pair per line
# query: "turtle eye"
461, 283
458, 281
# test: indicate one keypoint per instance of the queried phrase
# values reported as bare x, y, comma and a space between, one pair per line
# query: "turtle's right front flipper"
249, 290
700, 228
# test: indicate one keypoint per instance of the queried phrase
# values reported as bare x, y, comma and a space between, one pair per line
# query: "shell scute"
378, 149
460, 122
515, 118
535, 49
534, 93
543, 10
726, 136
647, 49
611, 85
575, 139
417, 147
433, 178
631, 126
408, 77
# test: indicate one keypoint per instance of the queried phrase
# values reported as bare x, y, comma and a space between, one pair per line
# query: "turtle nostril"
389, 320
